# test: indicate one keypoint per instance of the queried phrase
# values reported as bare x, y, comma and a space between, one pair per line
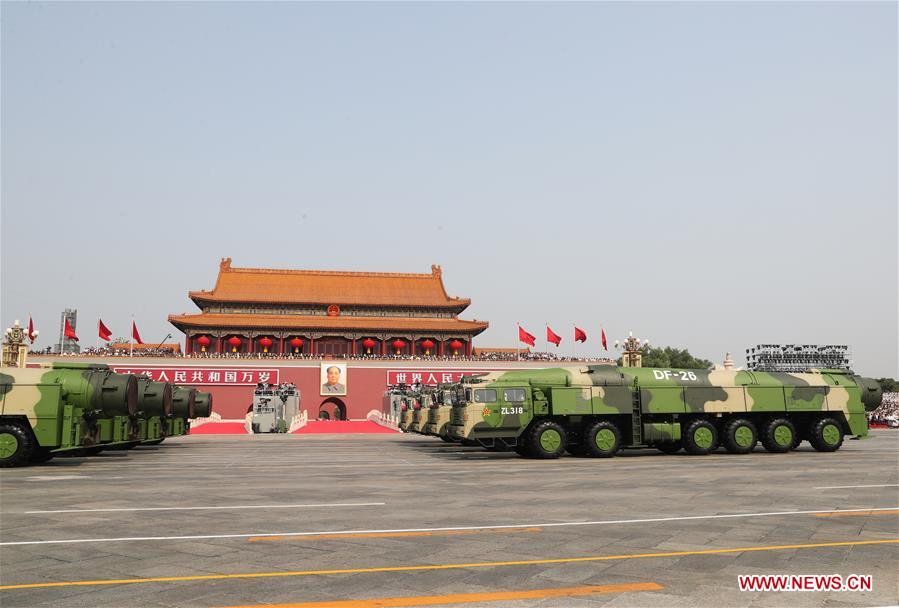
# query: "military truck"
439, 413
64, 407
597, 410
274, 407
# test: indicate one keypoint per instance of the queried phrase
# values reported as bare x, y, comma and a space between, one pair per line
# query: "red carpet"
341, 427
219, 428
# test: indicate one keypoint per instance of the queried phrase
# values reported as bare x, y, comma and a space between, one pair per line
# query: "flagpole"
518, 344
98, 333
131, 341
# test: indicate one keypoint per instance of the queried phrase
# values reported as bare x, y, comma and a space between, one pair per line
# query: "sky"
706, 175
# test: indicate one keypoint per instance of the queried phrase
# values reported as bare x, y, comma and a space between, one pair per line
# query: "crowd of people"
105, 351
888, 412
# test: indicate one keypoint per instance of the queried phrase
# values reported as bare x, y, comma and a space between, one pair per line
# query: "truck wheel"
548, 440
779, 435
740, 436
701, 438
522, 450
826, 435
16, 445
602, 440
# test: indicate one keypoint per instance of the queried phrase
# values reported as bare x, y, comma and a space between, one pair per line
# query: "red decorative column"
311, 346
354, 347
281, 347
441, 346
218, 345
468, 347
249, 345
383, 344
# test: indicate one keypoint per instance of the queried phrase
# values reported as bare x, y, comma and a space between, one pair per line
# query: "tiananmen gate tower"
330, 313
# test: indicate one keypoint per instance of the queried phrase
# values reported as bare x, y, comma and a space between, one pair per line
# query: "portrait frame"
340, 388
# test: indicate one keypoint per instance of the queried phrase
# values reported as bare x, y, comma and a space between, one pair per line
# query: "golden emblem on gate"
333, 310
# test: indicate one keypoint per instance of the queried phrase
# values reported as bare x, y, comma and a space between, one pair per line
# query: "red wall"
365, 391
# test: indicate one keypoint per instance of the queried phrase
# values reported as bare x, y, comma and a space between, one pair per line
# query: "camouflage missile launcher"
154, 406
64, 408
184, 403
419, 414
596, 410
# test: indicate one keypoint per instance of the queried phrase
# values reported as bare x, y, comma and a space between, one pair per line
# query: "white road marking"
446, 529
880, 485
334, 504
59, 477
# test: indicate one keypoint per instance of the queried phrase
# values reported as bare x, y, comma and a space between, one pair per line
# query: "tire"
826, 435
740, 436
447, 438
602, 440
522, 450
670, 447
548, 440
701, 438
778, 436
41, 455
16, 445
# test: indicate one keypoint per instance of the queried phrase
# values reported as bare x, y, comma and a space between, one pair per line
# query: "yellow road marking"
458, 566
467, 598
857, 513
254, 539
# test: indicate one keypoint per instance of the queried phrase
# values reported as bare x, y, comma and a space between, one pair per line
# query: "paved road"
295, 519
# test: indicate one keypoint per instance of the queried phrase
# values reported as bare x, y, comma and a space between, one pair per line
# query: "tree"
888, 385
673, 357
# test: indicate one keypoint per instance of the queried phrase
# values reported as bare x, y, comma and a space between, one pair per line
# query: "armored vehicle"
597, 410
274, 407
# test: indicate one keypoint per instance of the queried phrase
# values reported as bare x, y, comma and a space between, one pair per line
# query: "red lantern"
265, 343
203, 341
427, 345
234, 341
455, 345
297, 344
369, 344
398, 345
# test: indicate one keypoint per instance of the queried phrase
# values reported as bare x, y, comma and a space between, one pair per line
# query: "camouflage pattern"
74, 407
652, 406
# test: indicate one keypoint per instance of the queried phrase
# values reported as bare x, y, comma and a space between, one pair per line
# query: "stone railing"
385, 420
299, 421
213, 417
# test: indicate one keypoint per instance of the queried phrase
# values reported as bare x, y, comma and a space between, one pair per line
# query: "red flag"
105, 334
69, 332
32, 335
134, 333
579, 334
552, 337
525, 336
604, 345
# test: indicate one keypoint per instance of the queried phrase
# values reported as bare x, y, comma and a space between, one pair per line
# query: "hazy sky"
708, 175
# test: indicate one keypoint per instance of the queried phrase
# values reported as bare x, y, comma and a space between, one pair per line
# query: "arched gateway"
332, 408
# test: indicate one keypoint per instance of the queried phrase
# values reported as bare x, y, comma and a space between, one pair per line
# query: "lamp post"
631, 347
14, 349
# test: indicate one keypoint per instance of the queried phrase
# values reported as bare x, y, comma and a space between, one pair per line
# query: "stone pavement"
412, 516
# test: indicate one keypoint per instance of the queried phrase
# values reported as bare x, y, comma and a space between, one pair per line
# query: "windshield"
485, 395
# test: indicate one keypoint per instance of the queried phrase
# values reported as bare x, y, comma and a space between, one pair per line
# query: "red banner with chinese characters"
217, 376
431, 377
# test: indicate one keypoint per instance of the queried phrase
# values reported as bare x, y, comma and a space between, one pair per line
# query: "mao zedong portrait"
333, 385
